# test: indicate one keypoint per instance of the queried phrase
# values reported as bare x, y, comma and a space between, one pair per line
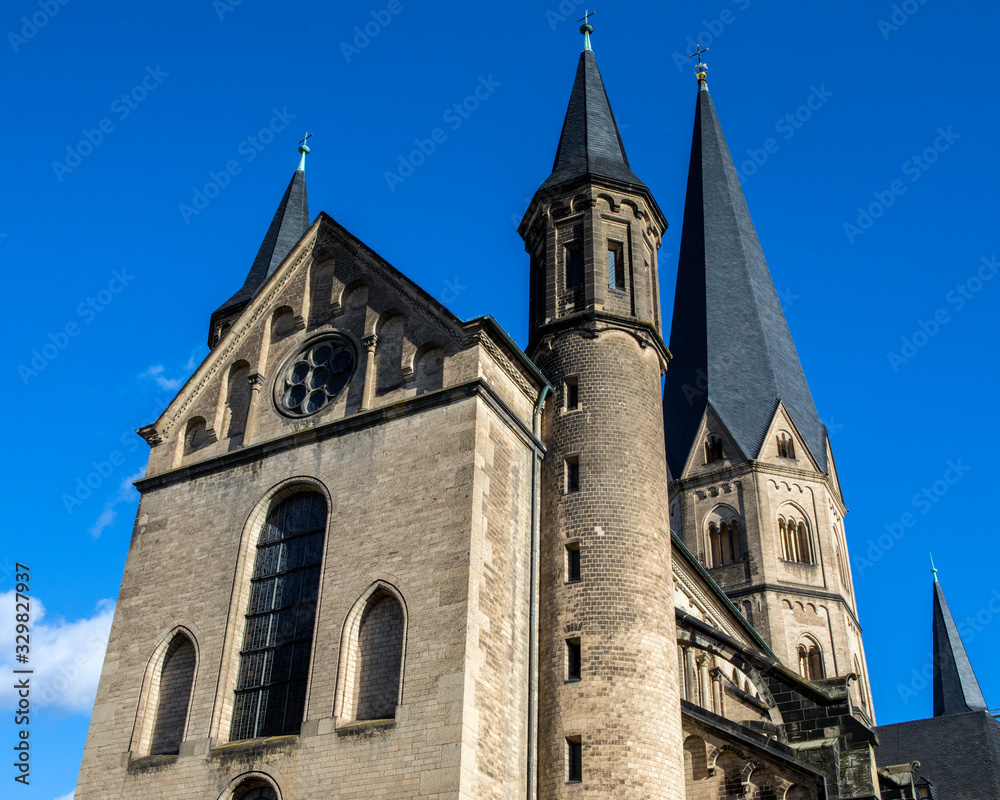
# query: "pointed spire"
590, 145
729, 337
290, 222
956, 690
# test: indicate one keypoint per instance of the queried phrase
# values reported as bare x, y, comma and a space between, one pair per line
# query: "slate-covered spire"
290, 222
729, 337
956, 690
590, 144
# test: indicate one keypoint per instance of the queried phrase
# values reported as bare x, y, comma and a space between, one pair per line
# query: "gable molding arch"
348, 636
147, 704
240, 591
245, 785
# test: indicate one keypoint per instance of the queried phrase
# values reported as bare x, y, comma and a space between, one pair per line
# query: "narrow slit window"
572, 562
573, 474
573, 660
572, 393
616, 266
574, 760
574, 267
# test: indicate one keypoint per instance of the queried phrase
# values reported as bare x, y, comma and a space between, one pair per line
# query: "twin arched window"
724, 539
796, 543
786, 446
811, 664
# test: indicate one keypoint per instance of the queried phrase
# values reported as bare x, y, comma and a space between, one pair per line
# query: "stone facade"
458, 561
797, 596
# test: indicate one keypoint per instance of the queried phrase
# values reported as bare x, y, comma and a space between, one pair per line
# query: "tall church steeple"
956, 689
754, 492
608, 698
731, 344
290, 221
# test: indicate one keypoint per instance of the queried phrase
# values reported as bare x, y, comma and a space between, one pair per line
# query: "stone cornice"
735, 471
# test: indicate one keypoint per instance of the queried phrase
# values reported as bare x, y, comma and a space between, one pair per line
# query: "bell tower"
608, 681
754, 490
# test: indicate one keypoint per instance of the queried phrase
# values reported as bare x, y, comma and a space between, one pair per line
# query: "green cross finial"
586, 29
304, 149
933, 568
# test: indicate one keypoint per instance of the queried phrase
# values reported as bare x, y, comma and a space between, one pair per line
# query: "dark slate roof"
956, 690
729, 337
590, 144
290, 222
959, 754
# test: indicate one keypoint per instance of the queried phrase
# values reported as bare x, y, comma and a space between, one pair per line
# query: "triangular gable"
711, 425
783, 424
325, 241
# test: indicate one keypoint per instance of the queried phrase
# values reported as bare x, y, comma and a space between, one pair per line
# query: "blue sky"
875, 206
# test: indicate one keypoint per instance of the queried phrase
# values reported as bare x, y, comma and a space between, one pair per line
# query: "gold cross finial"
702, 67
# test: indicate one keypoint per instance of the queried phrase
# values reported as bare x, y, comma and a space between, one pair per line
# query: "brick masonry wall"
625, 708
435, 504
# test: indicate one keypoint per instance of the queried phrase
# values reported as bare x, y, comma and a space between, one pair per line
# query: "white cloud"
67, 796
156, 374
126, 494
66, 656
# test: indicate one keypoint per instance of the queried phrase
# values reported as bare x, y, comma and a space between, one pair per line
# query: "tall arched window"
172, 687
786, 446
274, 661
375, 634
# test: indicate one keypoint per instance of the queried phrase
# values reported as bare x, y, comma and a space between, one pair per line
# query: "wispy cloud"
67, 796
156, 374
66, 656
126, 494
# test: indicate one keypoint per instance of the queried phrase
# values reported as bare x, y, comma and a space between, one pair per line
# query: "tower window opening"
724, 541
811, 664
616, 266
713, 449
573, 562
574, 759
573, 660
571, 392
786, 446
572, 474
574, 267
796, 543
748, 611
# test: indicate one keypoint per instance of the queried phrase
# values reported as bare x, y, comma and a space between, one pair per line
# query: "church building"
382, 552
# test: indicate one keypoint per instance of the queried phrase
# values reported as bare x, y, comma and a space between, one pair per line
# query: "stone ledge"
364, 726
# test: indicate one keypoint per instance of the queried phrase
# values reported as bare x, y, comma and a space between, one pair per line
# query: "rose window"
313, 378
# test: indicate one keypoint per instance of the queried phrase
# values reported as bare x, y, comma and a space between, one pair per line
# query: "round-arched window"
315, 376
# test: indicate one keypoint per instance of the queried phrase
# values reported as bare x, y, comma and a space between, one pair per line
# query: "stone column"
368, 395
